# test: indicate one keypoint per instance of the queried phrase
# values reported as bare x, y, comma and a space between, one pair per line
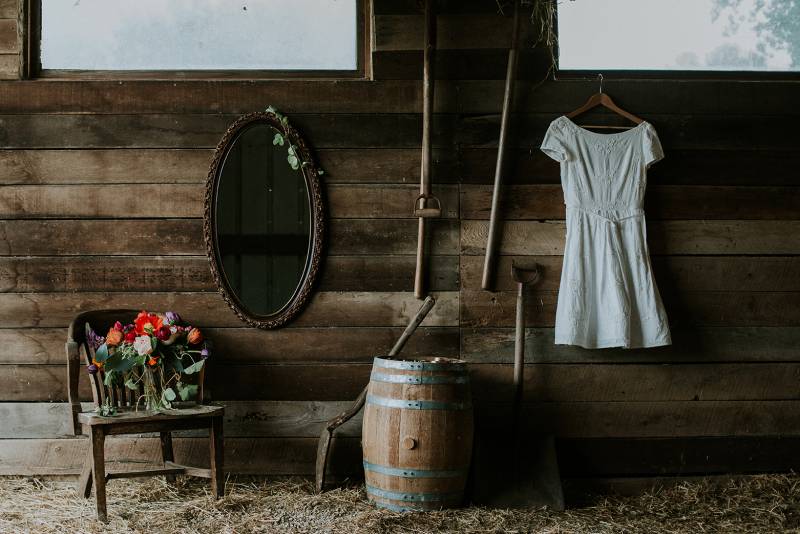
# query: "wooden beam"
673, 273
689, 344
361, 130
687, 308
527, 238
46, 274
570, 420
169, 201
208, 309
178, 470
184, 237
545, 382
535, 202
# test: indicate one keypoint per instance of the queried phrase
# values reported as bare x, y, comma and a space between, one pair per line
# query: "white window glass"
719, 35
199, 34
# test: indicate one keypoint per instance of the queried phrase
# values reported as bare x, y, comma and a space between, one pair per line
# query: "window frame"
31, 67
663, 74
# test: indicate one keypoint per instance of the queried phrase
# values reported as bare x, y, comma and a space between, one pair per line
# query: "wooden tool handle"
508, 99
412, 326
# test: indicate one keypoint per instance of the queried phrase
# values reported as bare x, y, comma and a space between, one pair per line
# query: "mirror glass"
262, 223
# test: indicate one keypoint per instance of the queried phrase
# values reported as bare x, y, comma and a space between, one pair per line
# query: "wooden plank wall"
101, 186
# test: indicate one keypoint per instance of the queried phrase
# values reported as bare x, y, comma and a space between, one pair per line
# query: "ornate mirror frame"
297, 146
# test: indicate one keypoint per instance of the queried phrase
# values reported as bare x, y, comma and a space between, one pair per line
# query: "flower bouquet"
149, 356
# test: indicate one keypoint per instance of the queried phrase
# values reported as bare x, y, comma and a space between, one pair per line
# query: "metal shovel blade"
518, 474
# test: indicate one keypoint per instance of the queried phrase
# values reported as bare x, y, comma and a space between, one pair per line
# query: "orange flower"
147, 323
195, 336
152, 362
114, 337
98, 364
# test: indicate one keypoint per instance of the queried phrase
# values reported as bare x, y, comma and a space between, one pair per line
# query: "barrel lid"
423, 363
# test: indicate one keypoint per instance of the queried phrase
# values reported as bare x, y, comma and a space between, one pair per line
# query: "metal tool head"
427, 206
525, 273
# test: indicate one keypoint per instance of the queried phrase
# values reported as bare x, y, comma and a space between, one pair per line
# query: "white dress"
608, 297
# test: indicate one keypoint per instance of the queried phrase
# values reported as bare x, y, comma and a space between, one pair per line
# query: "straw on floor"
758, 504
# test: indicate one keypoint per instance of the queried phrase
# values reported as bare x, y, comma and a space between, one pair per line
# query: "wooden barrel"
417, 433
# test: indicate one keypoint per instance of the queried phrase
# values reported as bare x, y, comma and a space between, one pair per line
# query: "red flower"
147, 323
195, 336
130, 336
163, 333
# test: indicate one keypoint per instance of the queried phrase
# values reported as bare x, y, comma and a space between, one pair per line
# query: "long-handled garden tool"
517, 470
324, 444
426, 206
508, 100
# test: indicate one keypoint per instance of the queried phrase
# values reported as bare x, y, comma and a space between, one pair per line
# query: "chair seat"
125, 416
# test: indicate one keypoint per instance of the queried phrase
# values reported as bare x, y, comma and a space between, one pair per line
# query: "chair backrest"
79, 356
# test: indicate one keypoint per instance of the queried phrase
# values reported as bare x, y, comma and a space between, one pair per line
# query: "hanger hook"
600, 77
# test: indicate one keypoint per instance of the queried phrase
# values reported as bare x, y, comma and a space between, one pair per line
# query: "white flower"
143, 345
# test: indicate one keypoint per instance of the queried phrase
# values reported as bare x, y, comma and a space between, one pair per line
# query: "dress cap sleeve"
553, 143
651, 146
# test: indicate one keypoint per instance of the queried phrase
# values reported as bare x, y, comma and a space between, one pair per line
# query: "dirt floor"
758, 504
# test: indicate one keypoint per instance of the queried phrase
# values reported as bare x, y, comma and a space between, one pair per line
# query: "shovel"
324, 444
493, 237
426, 206
509, 470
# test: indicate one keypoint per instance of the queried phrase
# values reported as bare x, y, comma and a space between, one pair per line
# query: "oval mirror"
263, 222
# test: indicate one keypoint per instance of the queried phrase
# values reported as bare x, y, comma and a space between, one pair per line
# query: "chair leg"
99, 470
167, 452
217, 445
84, 488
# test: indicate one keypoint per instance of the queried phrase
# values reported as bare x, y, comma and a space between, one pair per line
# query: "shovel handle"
508, 99
519, 346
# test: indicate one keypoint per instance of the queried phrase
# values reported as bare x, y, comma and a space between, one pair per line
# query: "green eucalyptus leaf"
117, 362
278, 140
293, 162
187, 392
320, 172
194, 368
169, 394
130, 384
109, 377
101, 354
177, 364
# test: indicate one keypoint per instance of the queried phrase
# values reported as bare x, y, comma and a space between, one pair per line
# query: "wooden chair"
131, 421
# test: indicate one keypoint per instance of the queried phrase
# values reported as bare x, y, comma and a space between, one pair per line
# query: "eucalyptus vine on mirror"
264, 219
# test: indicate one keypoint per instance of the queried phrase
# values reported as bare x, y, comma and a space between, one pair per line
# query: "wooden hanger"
602, 99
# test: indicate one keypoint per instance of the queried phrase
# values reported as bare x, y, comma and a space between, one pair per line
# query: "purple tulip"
172, 317
118, 326
92, 368
204, 353
93, 339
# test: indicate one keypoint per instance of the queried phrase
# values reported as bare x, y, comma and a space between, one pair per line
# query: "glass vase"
152, 390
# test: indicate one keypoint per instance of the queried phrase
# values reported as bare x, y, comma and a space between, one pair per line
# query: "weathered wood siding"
101, 186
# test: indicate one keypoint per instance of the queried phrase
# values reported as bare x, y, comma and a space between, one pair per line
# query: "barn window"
198, 35
699, 35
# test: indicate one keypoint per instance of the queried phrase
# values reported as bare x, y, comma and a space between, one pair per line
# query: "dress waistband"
612, 216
